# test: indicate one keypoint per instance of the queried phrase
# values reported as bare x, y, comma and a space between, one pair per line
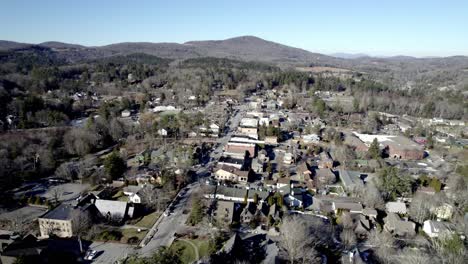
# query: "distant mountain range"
251, 48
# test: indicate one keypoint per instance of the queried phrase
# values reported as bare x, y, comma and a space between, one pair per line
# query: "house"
296, 198
125, 113
350, 179
132, 189
288, 158
398, 227
65, 220
271, 140
311, 138
444, 211
303, 172
163, 132
212, 130
351, 207
224, 212
228, 173
396, 207
324, 177
436, 228
113, 210
234, 194
369, 212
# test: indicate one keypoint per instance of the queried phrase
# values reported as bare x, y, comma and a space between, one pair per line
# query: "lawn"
203, 247
188, 253
133, 234
148, 220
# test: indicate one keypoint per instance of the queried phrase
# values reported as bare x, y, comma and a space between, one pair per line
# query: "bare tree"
300, 236
57, 193
348, 237
384, 245
419, 209
81, 220
415, 256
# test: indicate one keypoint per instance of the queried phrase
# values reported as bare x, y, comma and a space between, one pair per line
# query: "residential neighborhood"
128, 135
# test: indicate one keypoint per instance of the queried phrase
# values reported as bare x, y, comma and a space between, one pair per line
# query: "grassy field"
148, 220
132, 233
203, 247
188, 252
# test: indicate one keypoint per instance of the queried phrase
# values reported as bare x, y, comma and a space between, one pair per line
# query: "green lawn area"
203, 247
148, 220
132, 233
188, 253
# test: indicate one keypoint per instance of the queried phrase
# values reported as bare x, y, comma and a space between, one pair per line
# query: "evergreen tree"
374, 150
114, 165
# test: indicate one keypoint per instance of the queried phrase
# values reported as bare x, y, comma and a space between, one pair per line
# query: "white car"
90, 254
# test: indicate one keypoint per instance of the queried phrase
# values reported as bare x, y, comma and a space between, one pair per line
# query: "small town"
232, 151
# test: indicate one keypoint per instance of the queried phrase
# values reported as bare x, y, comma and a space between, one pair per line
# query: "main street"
166, 227
164, 230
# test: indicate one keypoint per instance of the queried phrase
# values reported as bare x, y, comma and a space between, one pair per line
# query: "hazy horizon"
418, 28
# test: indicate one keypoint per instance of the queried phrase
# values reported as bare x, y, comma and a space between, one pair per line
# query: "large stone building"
65, 220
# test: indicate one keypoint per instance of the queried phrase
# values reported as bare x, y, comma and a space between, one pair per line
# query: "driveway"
109, 253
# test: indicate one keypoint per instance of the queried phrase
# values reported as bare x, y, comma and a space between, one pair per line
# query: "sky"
375, 27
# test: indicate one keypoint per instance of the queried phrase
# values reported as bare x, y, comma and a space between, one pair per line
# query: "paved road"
171, 224
109, 253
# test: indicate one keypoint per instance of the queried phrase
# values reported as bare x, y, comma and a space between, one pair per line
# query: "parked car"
90, 254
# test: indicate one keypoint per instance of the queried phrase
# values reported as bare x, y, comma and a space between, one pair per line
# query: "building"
350, 179
125, 113
311, 138
65, 220
232, 161
399, 147
271, 140
115, 211
398, 227
224, 212
228, 173
396, 207
240, 149
324, 177
436, 228
351, 207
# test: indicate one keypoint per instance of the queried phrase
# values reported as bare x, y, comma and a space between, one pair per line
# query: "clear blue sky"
376, 27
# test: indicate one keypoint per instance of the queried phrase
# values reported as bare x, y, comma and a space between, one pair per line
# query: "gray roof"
115, 208
231, 192
61, 212
349, 178
396, 207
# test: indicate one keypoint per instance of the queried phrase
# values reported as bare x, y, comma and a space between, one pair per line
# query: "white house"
311, 138
134, 198
436, 228
162, 132
125, 113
